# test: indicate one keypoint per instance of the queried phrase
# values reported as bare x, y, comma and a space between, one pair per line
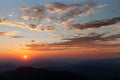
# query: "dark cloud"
96, 24
93, 40
33, 41
32, 26
44, 47
15, 36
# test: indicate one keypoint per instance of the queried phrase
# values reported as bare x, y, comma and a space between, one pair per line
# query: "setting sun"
25, 56
49, 38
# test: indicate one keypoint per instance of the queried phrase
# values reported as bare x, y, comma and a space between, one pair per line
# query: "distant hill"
7, 66
102, 69
106, 69
29, 73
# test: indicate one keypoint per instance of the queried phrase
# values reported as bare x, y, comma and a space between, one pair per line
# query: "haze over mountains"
29, 73
104, 69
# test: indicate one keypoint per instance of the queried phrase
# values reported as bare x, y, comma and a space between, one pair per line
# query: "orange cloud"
10, 34
94, 42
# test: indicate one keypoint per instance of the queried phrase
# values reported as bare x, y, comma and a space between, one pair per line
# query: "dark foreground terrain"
29, 73
106, 69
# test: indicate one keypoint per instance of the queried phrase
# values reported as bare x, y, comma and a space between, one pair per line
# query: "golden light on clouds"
50, 29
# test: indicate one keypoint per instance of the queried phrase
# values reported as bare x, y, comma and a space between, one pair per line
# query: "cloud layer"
91, 41
52, 16
60, 17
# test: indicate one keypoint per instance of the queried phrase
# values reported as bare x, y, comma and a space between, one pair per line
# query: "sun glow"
25, 56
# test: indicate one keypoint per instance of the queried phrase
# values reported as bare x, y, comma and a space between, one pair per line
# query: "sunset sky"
75, 29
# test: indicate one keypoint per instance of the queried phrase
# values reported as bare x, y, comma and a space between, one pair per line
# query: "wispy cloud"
10, 34
96, 24
96, 41
101, 5
6, 21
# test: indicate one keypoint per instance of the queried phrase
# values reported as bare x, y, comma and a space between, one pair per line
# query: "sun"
25, 56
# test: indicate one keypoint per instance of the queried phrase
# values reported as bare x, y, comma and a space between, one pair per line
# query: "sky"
74, 29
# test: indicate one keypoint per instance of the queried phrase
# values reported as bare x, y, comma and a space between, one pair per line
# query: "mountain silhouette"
30, 73
1, 78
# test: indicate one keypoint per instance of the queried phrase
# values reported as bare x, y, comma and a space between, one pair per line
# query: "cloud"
98, 41
8, 22
33, 41
92, 38
56, 7
78, 10
69, 11
101, 5
96, 24
45, 47
10, 34
61, 8
24, 8
49, 16
50, 28
2, 33
35, 13
118, 27
32, 26
21, 24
